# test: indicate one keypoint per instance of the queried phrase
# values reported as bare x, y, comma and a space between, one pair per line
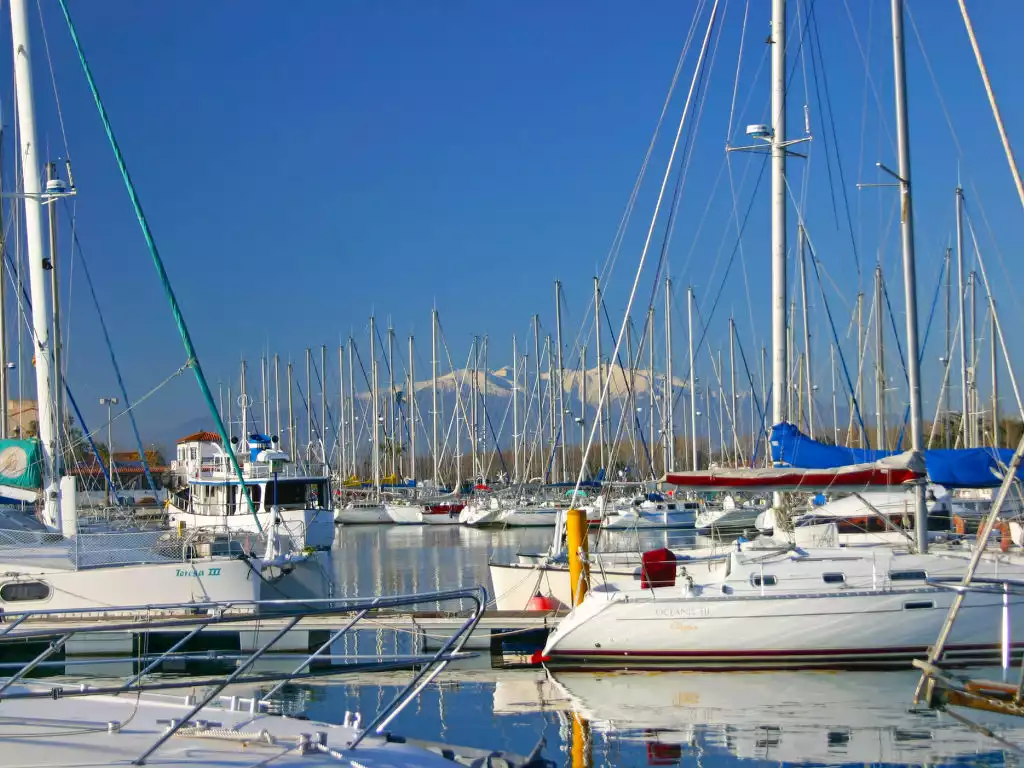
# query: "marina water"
629, 719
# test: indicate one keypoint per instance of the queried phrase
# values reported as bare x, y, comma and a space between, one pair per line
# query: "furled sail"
952, 468
888, 471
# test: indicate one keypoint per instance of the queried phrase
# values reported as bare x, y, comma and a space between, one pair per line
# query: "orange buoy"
1004, 536
541, 602
959, 525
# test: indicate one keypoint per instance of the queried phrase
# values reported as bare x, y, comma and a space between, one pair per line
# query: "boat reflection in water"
782, 717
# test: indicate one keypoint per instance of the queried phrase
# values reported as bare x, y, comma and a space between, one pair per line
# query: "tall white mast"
436, 449
693, 382
780, 374
962, 314
36, 255
561, 373
670, 422
600, 369
515, 411
881, 438
909, 267
412, 408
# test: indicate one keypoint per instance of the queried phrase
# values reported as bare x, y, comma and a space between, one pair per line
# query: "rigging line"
630, 391
556, 541
998, 325
959, 149
616, 247
53, 81
835, 338
983, 71
871, 81
77, 246
924, 343
186, 339
86, 434
690, 144
816, 50
736, 78
732, 257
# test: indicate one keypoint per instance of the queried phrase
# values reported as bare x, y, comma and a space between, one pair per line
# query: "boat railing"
59, 626
122, 547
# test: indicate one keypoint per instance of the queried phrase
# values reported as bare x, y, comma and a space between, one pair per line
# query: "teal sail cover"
21, 463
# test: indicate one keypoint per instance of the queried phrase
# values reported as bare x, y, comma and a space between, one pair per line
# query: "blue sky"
304, 166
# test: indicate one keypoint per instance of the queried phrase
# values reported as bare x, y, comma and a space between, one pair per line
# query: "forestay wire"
186, 339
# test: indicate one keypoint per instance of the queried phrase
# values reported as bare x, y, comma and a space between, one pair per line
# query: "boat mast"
835, 402
909, 266
537, 387
693, 381
880, 433
374, 395
412, 408
946, 431
433, 392
58, 370
4, 387
962, 314
352, 405
392, 418
474, 393
802, 239
972, 366
265, 405
561, 373
342, 436
515, 411
995, 371
291, 412
243, 401
37, 278
670, 422
780, 374
277, 396
323, 403
732, 395
309, 405
600, 368
483, 398
650, 388
583, 407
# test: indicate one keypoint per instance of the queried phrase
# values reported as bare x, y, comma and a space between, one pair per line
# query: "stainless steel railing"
17, 627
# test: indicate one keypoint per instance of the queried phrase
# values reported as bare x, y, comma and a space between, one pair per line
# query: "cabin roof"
200, 437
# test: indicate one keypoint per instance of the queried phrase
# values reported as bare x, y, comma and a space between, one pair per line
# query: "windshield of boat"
296, 494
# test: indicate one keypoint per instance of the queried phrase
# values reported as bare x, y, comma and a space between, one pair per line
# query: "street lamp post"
110, 402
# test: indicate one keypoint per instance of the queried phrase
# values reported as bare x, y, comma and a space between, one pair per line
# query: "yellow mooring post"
581, 756
577, 544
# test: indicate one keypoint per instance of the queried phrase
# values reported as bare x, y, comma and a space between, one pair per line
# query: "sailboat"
58, 566
804, 608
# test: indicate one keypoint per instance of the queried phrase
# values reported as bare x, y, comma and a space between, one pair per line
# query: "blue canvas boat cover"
952, 468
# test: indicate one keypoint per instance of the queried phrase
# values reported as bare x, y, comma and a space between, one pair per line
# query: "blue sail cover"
952, 468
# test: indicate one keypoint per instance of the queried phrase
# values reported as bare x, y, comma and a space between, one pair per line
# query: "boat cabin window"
833, 578
907, 575
296, 494
763, 581
17, 591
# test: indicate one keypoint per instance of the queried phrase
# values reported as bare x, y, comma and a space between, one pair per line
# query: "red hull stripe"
793, 479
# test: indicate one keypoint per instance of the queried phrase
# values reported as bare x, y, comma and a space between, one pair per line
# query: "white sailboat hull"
146, 584
650, 519
368, 515
728, 625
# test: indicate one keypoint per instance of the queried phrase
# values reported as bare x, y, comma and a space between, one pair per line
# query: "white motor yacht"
291, 503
